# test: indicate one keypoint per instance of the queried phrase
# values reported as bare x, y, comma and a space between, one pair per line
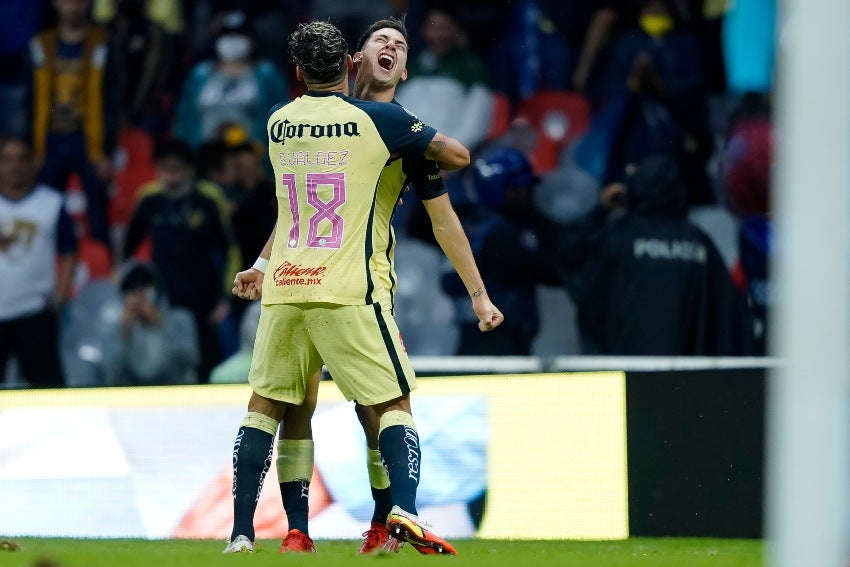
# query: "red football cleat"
297, 541
377, 540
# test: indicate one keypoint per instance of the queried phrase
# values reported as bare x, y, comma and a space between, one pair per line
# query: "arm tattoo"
477, 292
435, 148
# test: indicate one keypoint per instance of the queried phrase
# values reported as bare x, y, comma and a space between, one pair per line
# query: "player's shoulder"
280, 105
383, 109
393, 119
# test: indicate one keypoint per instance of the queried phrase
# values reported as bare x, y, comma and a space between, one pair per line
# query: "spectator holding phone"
154, 342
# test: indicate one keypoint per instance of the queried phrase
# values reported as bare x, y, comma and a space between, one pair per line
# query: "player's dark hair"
392, 22
319, 49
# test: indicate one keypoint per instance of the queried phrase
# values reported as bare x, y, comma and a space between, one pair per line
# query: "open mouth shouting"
386, 61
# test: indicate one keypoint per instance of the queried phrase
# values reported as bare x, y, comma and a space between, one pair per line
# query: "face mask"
656, 25
232, 47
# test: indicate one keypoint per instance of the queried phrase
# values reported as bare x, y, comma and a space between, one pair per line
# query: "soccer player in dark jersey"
330, 294
382, 56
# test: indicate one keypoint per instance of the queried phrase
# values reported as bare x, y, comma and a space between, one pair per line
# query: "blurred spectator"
233, 88
350, 16
486, 20
661, 44
166, 14
190, 244
215, 164
35, 230
638, 123
215, 178
253, 205
74, 108
19, 21
608, 19
253, 200
629, 127
707, 19
268, 21
675, 50
746, 163
166, 17
645, 281
234, 370
747, 156
271, 22
613, 21
532, 54
448, 82
514, 246
152, 342
142, 51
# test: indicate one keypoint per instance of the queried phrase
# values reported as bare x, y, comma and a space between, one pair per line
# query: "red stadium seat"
500, 120
558, 117
96, 257
94, 262
134, 168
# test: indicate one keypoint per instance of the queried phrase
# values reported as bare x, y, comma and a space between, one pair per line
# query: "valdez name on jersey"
334, 237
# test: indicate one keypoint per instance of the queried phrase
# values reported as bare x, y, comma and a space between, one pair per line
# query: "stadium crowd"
617, 202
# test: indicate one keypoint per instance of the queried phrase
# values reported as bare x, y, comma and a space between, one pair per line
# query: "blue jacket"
272, 84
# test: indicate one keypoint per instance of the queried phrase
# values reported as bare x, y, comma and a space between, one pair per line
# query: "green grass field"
490, 553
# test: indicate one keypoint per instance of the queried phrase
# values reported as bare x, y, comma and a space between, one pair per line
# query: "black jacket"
189, 246
647, 281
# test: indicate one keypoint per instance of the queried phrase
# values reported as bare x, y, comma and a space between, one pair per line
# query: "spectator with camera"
154, 343
191, 243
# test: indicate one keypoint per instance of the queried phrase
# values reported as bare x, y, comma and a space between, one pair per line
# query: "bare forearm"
452, 239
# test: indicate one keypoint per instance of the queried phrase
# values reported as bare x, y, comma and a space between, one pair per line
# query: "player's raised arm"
452, 240
448, 152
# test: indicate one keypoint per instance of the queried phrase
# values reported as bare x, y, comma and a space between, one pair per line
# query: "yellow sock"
294, 459
377, 473
261, 421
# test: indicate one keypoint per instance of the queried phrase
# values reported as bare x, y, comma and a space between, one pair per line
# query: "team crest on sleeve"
416, 126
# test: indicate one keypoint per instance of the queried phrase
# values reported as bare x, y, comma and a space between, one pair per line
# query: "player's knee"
397, 404
266, 406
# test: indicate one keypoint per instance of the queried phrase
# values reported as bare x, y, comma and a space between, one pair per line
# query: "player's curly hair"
319, 48
392, 22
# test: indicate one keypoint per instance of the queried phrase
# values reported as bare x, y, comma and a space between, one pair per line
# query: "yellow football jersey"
334, 238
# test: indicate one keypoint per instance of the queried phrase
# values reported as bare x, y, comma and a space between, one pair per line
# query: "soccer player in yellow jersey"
329, 297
